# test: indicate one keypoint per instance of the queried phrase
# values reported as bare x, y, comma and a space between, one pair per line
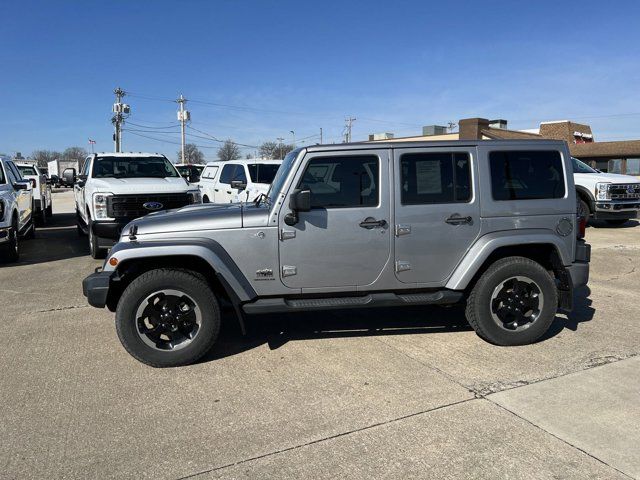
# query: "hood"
136, 185
207, 216
589, 180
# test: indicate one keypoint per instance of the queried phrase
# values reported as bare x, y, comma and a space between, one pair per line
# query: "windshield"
262, 172
133, 167
27, 170
281, 175
581, 167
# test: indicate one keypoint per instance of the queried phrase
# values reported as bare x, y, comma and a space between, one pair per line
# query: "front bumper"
96, 288
611, 210
109, 229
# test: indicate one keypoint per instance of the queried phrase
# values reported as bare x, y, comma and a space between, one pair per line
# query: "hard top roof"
439, 143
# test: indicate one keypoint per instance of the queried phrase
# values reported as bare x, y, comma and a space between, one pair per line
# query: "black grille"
624, 191
132, 206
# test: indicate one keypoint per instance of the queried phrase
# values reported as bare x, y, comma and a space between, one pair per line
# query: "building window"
614, 166
633, 166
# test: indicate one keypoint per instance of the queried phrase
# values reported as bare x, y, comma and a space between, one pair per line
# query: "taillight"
33, 182
582, 226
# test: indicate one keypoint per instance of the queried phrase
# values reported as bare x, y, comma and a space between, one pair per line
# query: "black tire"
95, 251
187, 282
479, 304
205, 199
11, 250
617, 221
583, 209
49, 211
41, 218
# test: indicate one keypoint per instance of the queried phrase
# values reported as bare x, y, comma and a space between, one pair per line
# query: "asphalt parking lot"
402, 393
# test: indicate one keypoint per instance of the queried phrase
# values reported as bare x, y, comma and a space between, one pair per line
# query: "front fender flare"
486, 245
206, 249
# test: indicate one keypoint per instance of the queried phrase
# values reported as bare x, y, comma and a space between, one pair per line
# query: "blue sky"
276, 66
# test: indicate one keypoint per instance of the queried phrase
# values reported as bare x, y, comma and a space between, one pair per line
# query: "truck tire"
94, 250
41, 218
513, 303
583, 209
11, 251
49, 211
168, 318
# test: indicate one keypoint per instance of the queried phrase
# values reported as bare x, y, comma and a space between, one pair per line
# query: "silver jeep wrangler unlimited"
489, 223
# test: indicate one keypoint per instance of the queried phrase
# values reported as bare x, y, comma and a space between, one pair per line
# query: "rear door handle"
456, 219
371, 222
216, 190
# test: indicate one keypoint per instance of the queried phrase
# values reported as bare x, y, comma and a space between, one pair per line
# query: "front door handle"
456, 219
371, 222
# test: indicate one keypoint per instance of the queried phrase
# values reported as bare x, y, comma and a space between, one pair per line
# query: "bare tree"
191, 154
43, 157
274, 150
229, 151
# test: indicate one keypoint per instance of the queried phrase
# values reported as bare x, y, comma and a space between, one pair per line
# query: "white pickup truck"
16, 210
237, 180
606, 196
42, 205
114, 188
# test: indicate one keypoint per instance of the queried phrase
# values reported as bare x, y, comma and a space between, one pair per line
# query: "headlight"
100, 205
195, 196
602, 191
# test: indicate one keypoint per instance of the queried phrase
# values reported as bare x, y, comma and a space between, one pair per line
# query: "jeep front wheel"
513, 303
168, 318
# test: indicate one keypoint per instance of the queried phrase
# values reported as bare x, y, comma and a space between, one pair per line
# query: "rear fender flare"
486, 245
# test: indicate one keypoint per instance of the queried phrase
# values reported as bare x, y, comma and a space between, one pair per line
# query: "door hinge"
288, 270
402, 266
403, 229
287, 234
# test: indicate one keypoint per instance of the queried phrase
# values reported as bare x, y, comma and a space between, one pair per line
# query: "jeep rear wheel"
513, 303
168, 318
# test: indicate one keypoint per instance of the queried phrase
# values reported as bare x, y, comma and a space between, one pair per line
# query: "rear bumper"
96, 288
579, 270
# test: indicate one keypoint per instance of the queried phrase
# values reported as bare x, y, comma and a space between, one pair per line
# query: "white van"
237, 180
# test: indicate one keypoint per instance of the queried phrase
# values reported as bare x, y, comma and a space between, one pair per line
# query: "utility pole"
120, 112
280, 140
348, 124
320, 135
294, 138
183, 117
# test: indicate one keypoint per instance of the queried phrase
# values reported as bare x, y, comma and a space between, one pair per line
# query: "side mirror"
20, 185
69, 176
299, 201
239, 184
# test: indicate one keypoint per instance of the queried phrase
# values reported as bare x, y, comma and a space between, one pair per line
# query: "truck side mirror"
69, 176
82, 179
239, 184
299, 201
20, 185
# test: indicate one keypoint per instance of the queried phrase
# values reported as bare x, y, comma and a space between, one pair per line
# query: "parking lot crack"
330, 437
57, 309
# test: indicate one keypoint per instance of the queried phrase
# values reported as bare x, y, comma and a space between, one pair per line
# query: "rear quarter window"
526, 175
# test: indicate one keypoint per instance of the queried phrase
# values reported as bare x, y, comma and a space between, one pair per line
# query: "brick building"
615, 157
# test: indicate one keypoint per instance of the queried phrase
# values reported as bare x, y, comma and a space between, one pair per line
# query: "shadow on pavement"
276, 330
57, 240
604, 224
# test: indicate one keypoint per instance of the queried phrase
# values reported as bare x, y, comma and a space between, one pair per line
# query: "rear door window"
441, 177
526, 175
210, 172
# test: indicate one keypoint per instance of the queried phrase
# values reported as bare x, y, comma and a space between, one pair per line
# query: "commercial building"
615, 157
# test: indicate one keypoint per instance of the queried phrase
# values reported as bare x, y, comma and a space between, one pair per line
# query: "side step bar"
277, 305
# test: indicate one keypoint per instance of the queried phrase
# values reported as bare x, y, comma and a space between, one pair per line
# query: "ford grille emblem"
152, 205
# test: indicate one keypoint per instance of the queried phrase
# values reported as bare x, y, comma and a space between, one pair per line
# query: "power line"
168, 141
